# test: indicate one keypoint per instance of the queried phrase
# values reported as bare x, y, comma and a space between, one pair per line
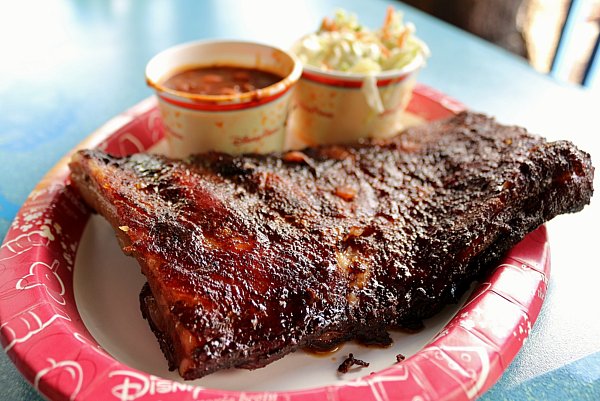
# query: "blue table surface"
69, 66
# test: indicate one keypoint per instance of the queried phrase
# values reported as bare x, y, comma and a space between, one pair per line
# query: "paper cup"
332, 107
251, 122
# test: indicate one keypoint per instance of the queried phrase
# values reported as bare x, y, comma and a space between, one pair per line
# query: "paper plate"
62, 347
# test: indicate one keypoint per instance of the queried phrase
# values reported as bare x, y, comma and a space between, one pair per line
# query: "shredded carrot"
389, 14
403, 37
384, 51
328, 25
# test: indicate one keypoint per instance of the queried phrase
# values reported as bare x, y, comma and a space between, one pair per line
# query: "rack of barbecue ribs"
248, 258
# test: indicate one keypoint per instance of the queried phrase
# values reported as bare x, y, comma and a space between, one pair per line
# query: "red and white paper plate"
58, 351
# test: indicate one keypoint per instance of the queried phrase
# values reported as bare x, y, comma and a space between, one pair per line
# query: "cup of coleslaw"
356, 83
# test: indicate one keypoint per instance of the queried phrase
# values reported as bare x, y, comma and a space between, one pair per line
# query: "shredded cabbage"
342, 44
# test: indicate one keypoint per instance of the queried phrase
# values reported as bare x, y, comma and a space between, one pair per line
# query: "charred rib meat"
249, 258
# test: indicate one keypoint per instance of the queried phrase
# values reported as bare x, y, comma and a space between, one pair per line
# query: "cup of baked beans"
222, 95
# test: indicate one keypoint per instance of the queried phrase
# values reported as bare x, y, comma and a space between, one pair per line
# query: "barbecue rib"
249, 258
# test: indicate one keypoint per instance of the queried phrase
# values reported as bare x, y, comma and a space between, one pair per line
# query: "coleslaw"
343, 44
